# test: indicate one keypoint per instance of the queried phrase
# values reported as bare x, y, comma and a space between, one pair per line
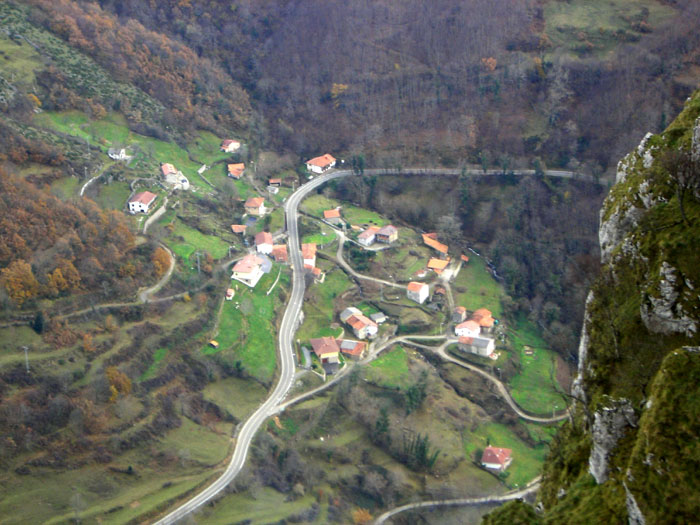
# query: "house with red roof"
263, 242
417, 292
387, 234
279, 253
327, 349
308, 253
320, 164
438, 265
367, 237
363, 327
355, 350
248, 270
230, 145
430, 239
468, 329
496, 458
276, 182
255, 206
485, 320
142, 202
333, 216
236, 170
238, 228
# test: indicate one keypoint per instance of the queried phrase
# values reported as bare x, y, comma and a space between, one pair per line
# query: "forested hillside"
498, 82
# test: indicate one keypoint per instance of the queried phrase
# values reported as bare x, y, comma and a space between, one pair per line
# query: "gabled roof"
470, 325
438, 264
279, 252
464, 258
274, 181
414, 286
350, 347
387, 230
322, 161
236, 169
359, 321
430, 239
483, 317
254, 202
325, 345
248, 263
145, 197
228, 142
332, 214
369, 232
496, 455
238, 228
167, 169
348, 312
263, 238
308, 250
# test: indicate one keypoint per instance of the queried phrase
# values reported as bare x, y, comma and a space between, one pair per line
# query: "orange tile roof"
263, 238
248, 263
275, 181
145, 197
254, 202
350, 347
496, 455
167, 169
433, 243
470, 325
236, 169
483, 317
325, 345
308, 250
331, 214
359, 321
414, 286
465, 340
372, 230
322, 161
238, 228
460, 309
465, 258
228, 142
279, 252
437, 264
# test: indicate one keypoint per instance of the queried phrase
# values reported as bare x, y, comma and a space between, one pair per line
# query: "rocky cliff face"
632, 452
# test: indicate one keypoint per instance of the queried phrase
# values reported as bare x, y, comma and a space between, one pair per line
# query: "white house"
362, 326
255, 206
468, 329
320, 164
248, 270
118, 154
483, 346
367, 237
230, 145
263, 242
417, 292
496, 458
308, 252
141, 202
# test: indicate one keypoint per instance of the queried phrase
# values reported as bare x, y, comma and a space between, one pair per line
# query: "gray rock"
634, 513
661, 311
577, 388
609, 426
613, 231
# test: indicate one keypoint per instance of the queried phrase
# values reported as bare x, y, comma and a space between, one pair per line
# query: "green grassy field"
247, 333
318, 308
319, 237
240, 397
192, 442
112, 196
158, 356
481, 290
316, 204
390, 370
19, 61
533, 387
184, 241
527, 461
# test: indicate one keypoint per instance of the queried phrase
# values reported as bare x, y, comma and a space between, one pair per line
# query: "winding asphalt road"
291, 320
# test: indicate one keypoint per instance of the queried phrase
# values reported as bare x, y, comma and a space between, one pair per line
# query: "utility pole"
26, 357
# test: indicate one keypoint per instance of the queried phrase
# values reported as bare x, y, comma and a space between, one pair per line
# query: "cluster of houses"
386, 234
472, 332
328, 350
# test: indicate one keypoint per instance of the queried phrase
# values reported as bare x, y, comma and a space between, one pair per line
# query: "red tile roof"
372, 230
465, 340
254, 202
483, 317
496, 455
248, 263
470, 325
331, 214
275, 181
167, 169
228, 142
308, 250
325, 345
238, 228
438, 264
236, 170
352, 347
433, 243
263, 238
279, 252
465, 258
359, 321
460, 309
414, 286
145, 197
322, 161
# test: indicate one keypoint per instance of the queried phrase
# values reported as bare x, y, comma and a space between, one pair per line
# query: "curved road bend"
287, 365
289, 325
531, 487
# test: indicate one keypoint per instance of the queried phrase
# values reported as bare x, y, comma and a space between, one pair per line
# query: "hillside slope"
631, 452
